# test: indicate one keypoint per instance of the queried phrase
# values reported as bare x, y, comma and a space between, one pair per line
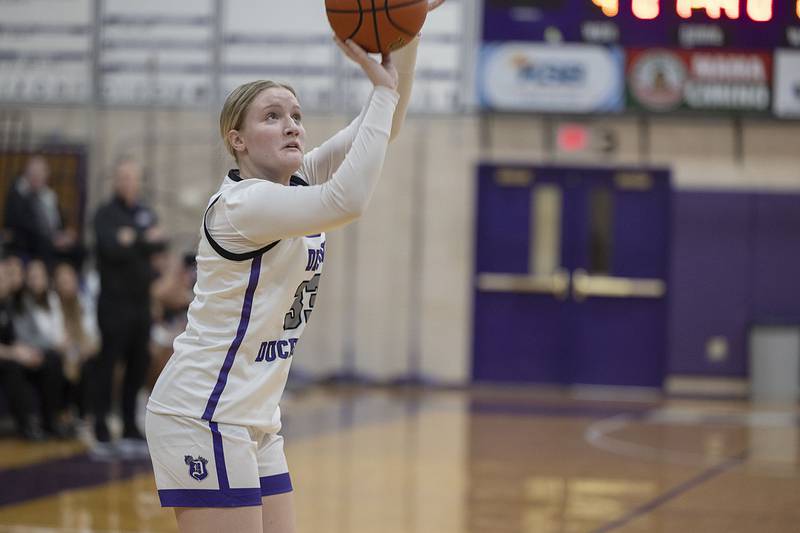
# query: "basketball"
378, 26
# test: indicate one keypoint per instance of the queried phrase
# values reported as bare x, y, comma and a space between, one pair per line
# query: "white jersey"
258, 269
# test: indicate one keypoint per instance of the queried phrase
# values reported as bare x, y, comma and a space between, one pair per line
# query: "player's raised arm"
261, 211
320, 163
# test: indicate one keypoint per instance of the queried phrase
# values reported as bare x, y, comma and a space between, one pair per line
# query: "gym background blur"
601, 196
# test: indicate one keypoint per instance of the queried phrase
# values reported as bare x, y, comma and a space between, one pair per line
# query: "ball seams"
375, 25
393, 23
388, 32
361, 9
360, 20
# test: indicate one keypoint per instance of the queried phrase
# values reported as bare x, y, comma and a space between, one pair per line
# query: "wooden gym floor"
486, 461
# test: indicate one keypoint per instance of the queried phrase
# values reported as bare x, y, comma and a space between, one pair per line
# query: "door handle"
556, 283
585, 285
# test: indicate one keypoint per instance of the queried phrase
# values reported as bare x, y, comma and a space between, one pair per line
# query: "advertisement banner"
572, 78
668, 80
787, 84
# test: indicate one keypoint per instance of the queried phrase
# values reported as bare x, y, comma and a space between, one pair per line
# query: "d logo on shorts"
197, 467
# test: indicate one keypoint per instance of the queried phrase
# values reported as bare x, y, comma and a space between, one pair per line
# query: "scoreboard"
738, 24
609, 56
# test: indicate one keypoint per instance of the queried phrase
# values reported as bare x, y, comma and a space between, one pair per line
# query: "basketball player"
213, 417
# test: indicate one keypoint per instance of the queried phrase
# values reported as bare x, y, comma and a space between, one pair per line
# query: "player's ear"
237, 141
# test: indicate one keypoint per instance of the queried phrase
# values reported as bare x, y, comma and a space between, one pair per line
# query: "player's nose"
292, 128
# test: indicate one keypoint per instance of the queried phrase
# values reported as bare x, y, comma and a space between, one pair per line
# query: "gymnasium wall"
396, 300
398, 283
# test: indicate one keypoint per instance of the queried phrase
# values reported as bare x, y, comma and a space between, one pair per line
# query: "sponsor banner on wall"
787, 84
571, 78
669, 80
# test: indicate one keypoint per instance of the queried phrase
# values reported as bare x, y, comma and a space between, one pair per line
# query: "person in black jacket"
32, 217
127, 235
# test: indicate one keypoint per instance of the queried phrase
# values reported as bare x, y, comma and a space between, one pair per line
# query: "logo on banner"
547, 73
787, 83
568, 78
728, 81
197, 467
663, 80
657, 79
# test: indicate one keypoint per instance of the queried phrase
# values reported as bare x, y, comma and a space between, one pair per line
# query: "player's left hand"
433, 4
383, 73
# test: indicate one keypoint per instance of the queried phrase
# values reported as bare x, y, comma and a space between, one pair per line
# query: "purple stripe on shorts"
219, 457
247, 306
278, 484
209, 498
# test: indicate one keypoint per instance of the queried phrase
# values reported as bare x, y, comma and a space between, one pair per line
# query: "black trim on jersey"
297, 181
225, 253
233, 174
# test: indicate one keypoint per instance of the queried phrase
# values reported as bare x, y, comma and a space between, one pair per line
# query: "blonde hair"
233, 111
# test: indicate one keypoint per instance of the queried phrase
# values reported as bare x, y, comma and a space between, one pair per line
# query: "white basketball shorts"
205, 464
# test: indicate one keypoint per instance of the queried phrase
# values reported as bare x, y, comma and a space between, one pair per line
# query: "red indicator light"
572, 138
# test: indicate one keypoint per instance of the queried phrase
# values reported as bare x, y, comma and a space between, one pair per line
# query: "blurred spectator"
32, 218
29, 378
127, 235
172, 294
82, 338
40, 322
15, 271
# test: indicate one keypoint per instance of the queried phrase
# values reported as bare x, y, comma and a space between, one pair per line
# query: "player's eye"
272, 116
297, 117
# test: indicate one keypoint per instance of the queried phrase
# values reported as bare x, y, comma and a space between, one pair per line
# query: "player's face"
273, 133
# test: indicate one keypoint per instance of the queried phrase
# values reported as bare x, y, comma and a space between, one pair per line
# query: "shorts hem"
277, 484
209, 498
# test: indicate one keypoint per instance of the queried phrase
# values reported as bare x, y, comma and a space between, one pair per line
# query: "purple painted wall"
776, 256
735, 262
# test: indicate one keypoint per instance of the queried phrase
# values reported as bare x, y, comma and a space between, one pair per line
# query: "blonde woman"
82, 336
213, 418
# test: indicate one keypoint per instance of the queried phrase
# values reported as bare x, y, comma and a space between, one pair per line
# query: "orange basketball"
377, 25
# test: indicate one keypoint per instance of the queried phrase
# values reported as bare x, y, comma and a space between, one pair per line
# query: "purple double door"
571, 275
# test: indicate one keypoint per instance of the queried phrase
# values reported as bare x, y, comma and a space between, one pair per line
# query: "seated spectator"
29, 380
82, 337
40, 323
15, 270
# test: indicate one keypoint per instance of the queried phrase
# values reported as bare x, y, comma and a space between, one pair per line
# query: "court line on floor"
598, 434
77, 472
68, 473
675, 492
42, 529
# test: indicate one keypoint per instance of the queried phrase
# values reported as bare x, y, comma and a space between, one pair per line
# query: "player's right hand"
380, 74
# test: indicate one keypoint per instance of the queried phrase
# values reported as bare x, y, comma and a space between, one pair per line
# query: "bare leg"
214, 520
278, 513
